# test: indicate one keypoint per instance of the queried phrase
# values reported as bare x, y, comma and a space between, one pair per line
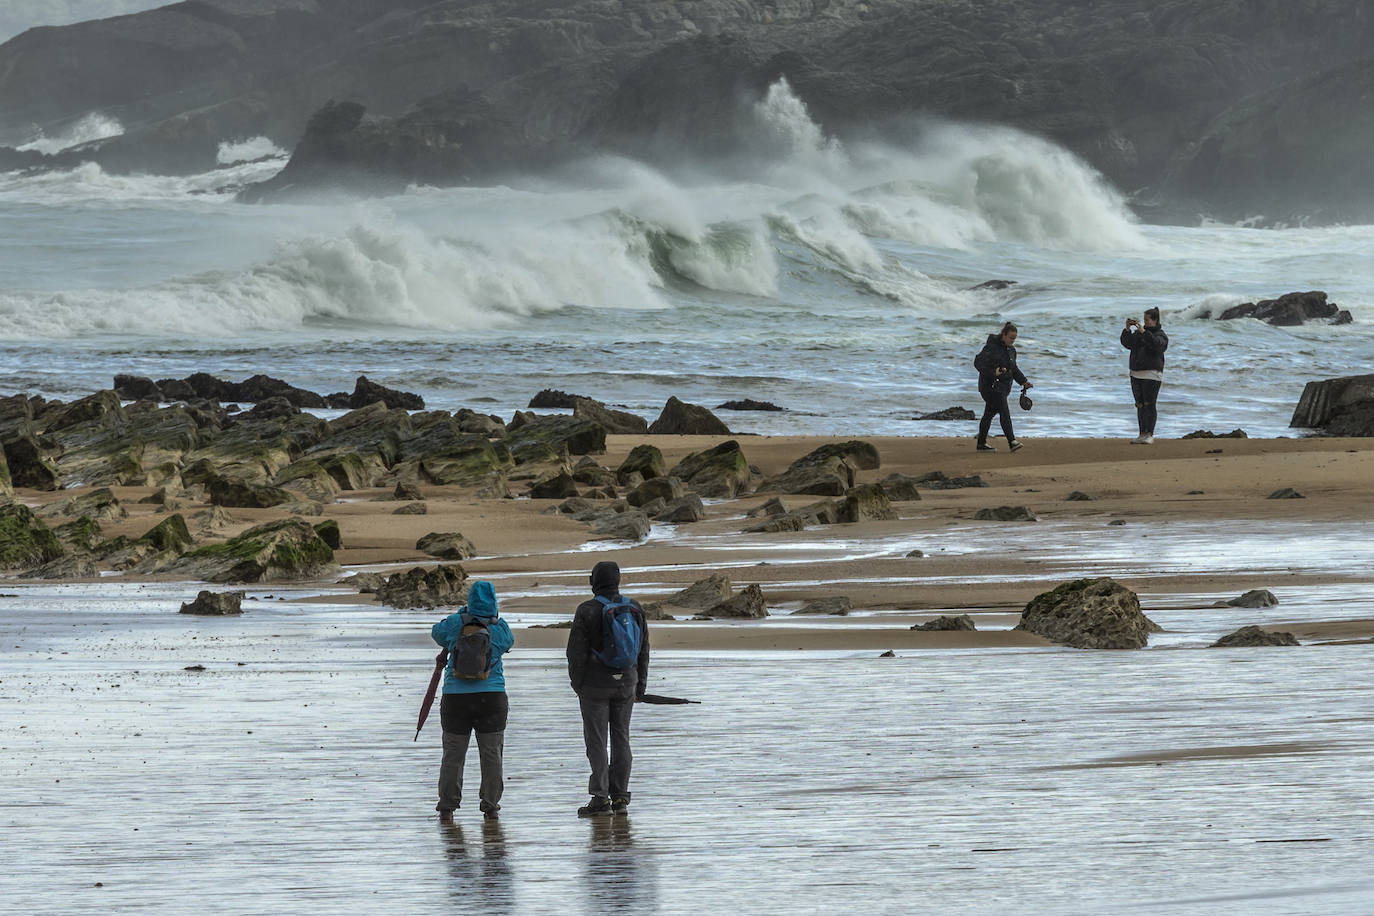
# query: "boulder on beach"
749, 603
100, 504
685, 509
1255, 597
644, 460
552, 397
615, 422
68, 567
234, 493
170, 534
30, 463
415, 508
864, 503
214, 604
308, 479
834, 606
938, 480
555, 486
1255, 636
772, 524
946, 623
623, 526
426, 587
25, 540
1005, 514
285, 549
771, 506
900, 487
664, 488
1285, 493
1208, 434
1337, 407
831, 476
549, 438
717, 472
1089, 614
446, 545
682, 419
1078, 496
862, 455
79, 536
700, 595
328, 531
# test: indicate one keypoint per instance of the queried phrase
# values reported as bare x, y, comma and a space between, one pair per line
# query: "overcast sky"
18, 15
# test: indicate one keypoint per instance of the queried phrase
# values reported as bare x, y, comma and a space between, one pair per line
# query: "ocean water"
830, 278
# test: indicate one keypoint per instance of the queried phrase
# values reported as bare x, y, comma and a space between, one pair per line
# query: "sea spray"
93, 126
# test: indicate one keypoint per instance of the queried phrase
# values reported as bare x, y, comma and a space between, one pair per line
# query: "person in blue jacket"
471, 705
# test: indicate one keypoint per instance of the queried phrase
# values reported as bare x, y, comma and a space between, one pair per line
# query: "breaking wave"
94, 126
815, 210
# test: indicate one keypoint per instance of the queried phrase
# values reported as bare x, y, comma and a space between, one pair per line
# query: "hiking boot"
445, 814
599, 806
984, 447
1143, 440
620, 806
492, 814
1013, 445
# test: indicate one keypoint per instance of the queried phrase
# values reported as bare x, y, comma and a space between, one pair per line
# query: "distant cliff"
1230, 106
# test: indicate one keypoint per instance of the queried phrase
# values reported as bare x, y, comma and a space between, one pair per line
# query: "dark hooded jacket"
1147, 347
585, 670
993, 355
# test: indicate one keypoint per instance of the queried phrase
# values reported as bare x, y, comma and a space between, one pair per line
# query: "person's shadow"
620, 877
481, 871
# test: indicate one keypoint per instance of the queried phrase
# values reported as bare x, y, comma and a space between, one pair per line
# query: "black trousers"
994, 404
606, 720
1146, 392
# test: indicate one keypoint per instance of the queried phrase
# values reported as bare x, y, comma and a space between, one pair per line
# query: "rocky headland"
1231, 108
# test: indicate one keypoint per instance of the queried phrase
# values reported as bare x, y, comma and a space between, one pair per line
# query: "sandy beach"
265, 762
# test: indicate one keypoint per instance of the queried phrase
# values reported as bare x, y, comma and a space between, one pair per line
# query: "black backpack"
471, 653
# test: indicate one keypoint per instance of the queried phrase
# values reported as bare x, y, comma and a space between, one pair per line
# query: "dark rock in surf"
950, 413
1253, 636
425, 587
749, 604
1255, 597
214, 604
1208, 434
1089, 614
552, 397
136, 388
947, 623
836, 606
1289, 310
1338, 406
748, 404
993, 284
682, 419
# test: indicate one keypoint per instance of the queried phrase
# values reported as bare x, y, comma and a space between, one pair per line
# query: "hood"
481, 599
995, 340
606, 579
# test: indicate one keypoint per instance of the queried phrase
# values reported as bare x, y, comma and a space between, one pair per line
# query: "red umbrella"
440, 661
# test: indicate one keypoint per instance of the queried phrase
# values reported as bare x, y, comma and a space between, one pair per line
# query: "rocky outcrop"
1255, 636
367, 392
644, 460
949, 413
1089, 614
664, 488
860, 454
865, 503
554, 398
699, 596
1255, 597
427, 587
285, 549
748, 604
240, 494
97, 504
938, 480
555, 486
169, 535
615, 422
1338, 407
622, 526
1289, 310
551, 438
838, 606
1208, 434
1005, 514
831, 476
214, 604
717, 472
446, 545
25, 540
749, 404
946, 623
682, 419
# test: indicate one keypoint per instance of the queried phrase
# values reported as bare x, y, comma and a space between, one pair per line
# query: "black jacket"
1147, 347
995, 354
585, 669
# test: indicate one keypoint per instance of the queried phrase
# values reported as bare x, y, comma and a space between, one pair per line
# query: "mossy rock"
80, 536
721, 471
446, 545
284, 549
467, 463
1089, 614
29, 463
346, 469
240, 494
328, 531
25, 540
549, 438
645, 460
308, 478
170, 534
863, 455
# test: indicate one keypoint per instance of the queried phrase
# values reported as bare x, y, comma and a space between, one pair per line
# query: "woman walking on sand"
996, 365
1147, 344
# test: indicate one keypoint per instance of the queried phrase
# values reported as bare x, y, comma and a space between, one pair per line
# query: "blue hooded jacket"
482, 604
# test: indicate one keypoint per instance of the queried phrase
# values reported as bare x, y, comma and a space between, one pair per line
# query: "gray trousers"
606, 716
489, 750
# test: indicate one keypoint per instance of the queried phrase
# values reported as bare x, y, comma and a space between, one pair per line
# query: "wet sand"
972, 772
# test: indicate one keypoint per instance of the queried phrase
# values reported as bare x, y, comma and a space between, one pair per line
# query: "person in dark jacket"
605, 695
470, 705
1147, 344
996, 365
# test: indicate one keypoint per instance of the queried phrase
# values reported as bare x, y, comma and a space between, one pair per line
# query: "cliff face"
1144, 89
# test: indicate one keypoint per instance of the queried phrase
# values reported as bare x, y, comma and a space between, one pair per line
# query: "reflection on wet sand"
481, 871
619, 876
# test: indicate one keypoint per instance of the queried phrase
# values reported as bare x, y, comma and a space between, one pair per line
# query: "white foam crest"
1210, 306
731, 258
88, 182
376, 273
786, 123
94, 126
231, 152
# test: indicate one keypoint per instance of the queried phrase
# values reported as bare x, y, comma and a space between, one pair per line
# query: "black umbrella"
657, 700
